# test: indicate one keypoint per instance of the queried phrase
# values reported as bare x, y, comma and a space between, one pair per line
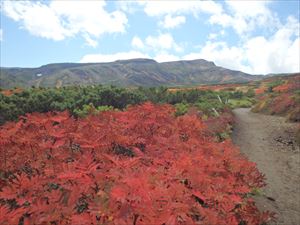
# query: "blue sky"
257, 37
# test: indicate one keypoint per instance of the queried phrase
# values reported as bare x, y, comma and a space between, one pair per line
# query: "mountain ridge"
131, 72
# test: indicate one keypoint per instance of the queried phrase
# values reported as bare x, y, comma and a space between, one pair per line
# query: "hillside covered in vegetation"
279, 96
126, 73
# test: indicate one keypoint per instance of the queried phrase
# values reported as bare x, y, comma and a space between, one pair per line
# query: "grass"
241, 103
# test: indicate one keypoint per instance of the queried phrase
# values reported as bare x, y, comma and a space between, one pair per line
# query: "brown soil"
270, 142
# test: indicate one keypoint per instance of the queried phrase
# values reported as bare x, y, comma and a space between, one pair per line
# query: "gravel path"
269, 141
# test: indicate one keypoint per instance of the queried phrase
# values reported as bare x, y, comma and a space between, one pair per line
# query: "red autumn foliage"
141, 166
290, 85
11, 92
280, 104
220, 124
260, 90
282, 88
218, 87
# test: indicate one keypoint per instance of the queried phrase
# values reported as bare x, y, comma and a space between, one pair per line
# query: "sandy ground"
269, 141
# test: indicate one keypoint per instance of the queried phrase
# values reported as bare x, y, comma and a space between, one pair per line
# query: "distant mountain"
133, 72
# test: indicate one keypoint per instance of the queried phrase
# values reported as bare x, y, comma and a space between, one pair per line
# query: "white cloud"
242, 16
137, 42
163, 41
89, 18
213, 36
158, 46
221, 54
248, 8
245, 16
61, 19
277, 54
1, 35
273, 56
170, 22
156, 43
165, 57
171, 11
258, 55
37, 18
129, 6
159, 8
113, 57
90, 41
221, 19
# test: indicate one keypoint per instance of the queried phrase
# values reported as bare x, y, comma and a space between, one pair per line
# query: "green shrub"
210, 107
240, 103
91, 109
250, 93
105, 108
181, 109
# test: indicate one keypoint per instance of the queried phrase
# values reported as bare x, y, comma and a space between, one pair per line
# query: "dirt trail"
269, 141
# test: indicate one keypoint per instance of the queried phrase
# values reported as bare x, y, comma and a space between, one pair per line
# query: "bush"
181, 109
240, 103
210, 107
82, 100
91, 109
140, 166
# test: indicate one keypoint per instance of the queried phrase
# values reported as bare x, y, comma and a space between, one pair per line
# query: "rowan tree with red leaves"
140, 166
